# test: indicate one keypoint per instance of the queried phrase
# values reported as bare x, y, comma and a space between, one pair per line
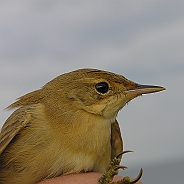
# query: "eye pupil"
102, 87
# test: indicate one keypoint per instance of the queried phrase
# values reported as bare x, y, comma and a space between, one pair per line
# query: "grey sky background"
142, 40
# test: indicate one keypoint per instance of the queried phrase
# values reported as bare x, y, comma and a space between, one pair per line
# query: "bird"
67, 126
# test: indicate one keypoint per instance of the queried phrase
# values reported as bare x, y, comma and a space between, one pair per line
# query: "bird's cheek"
97, 109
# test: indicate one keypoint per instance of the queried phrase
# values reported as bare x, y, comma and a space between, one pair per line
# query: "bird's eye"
102, 87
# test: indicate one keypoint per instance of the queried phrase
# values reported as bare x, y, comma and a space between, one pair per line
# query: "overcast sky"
142, 40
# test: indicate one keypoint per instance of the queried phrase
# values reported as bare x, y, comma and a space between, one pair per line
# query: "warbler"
67, 126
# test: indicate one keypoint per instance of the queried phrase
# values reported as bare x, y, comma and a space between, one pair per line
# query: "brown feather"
67, 126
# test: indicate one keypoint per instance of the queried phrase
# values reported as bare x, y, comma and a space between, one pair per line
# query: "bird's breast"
85, 145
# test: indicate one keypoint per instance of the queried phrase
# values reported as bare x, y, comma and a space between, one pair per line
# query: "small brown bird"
67, 126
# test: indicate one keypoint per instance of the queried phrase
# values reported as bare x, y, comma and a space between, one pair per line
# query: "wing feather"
116, 139
13, 125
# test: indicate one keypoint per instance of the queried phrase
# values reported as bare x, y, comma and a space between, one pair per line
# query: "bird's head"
95, 91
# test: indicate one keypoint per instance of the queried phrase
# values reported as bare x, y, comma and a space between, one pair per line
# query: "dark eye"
102, 87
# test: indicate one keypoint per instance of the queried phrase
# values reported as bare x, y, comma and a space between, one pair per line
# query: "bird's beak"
144, 89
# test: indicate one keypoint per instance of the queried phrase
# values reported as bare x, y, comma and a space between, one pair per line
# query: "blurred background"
142, 40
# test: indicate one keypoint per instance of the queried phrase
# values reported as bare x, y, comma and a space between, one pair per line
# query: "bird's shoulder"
17, 121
